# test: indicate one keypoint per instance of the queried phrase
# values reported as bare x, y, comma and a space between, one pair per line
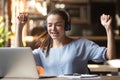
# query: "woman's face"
55, 26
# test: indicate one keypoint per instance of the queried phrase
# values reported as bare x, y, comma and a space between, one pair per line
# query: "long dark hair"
44, 40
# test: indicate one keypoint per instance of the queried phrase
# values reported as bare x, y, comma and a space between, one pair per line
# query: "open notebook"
17, 63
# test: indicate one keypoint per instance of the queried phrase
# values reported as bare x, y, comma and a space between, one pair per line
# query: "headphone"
67, 22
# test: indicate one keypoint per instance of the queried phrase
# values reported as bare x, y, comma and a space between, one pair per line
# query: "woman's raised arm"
21, 21
111, 48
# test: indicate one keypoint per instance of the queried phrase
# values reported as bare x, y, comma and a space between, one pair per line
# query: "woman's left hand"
106, 20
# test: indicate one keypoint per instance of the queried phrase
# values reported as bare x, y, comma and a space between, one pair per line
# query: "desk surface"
101, 78
103, 68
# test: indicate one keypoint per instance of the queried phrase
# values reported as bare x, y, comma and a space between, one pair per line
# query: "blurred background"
84, 14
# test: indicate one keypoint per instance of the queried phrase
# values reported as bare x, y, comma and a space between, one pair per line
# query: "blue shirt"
71, 58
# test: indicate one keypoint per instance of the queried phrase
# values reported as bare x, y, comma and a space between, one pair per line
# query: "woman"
59, 54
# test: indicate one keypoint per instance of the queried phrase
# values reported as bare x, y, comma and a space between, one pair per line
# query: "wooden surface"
99, 38
103, 68
95, 37
110, 78
99, 78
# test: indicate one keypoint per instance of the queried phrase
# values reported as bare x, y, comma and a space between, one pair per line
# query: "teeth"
53, 32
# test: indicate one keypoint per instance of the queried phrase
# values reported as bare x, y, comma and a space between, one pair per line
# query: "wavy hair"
44, 40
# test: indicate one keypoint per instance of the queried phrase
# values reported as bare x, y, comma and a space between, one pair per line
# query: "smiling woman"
55, 29
59, 54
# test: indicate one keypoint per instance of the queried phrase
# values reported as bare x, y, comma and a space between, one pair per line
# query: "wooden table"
101, 78
103, 68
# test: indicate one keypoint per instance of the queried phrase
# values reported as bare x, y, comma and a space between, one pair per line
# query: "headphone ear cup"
45, 26
67, 27
68, 22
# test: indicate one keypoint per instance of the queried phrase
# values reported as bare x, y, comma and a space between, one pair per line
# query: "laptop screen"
17, 62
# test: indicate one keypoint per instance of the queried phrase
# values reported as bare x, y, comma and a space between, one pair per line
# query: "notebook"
17, 63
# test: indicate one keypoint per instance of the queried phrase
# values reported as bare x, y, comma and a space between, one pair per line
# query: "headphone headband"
68, 24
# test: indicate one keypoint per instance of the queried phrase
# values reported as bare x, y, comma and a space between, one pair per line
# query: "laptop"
17, 63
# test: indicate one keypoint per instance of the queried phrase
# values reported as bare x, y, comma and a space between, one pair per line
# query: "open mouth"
54, 32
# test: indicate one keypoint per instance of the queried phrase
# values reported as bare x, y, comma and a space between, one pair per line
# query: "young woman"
59, 54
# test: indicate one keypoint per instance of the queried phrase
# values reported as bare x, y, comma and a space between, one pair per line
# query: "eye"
59, 24
49, 25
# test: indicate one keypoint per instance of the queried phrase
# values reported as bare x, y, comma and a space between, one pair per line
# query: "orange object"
40, 70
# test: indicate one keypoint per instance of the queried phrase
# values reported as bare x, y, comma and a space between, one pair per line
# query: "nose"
53, 27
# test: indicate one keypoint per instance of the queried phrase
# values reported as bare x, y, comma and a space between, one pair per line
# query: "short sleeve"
96, 52
36, 53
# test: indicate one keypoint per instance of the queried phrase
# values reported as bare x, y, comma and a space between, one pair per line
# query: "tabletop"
61, 78
103, 68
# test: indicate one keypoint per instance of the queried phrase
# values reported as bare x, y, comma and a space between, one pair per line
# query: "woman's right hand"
22, 19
